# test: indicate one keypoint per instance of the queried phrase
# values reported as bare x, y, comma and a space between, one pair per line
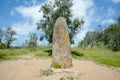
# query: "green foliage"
112, 37
56, 65
1, 35
2, 46
32, 41
109, 37
118, 21
51, 11
9, 37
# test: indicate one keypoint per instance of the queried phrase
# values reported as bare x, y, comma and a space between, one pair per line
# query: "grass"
56, 65
12, 53
103, 56
43, 52
6, 54
99, 55
77, 54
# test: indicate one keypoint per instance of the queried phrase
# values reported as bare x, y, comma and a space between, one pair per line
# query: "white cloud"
16, 36
80, 36
30, 12
115, 1
81, 9
85, 9
31, 16
23, 28
108, 21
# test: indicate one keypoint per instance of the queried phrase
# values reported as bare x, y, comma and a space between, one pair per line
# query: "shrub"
2, 46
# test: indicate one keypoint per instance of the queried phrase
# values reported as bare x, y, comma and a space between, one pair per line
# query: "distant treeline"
105, 38
7, 37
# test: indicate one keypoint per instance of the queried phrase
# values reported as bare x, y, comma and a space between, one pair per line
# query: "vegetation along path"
27, 67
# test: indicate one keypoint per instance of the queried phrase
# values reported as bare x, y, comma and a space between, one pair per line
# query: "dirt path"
28, 68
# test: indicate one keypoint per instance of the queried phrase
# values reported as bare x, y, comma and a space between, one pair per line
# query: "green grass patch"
43, 52
103, 56
12, 53
56, 65
76, 54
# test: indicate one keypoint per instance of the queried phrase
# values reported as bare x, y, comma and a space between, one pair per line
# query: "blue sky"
22, 16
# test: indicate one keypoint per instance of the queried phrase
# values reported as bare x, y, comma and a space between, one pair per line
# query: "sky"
22, 16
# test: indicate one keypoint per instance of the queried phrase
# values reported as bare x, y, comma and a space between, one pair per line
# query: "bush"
2, 46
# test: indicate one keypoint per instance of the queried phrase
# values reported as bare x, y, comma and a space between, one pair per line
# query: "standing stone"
61, 49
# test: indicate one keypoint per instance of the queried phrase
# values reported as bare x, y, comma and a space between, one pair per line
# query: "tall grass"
103, 56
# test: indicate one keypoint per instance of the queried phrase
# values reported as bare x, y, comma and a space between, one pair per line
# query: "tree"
89, 39
93, 38
119, 21
9, 36
1, 35
109, 37
51, 11
32, 41
112, 37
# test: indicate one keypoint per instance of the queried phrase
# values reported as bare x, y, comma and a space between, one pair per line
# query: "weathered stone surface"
61, 50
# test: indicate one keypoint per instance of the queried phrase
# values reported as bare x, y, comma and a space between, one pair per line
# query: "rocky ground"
29, 68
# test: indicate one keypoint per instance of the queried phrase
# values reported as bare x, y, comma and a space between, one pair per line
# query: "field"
35, 64
103, 56
6, 54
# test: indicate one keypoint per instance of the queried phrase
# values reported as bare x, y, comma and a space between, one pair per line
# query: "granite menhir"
61, 48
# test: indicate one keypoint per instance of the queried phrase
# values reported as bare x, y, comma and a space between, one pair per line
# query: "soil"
29, 68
